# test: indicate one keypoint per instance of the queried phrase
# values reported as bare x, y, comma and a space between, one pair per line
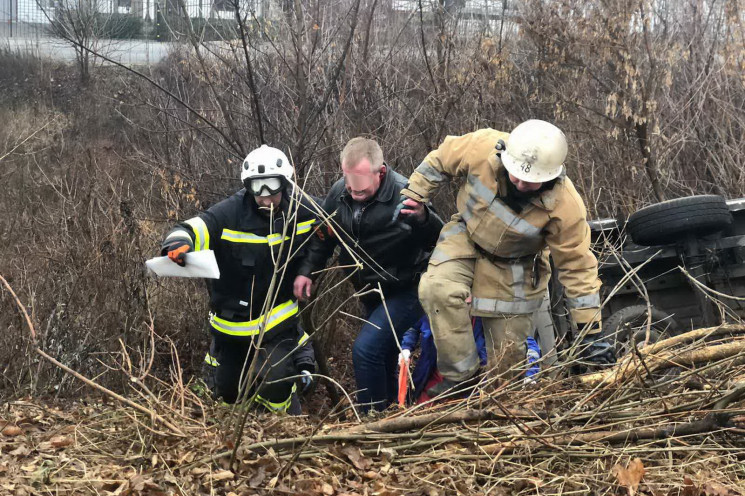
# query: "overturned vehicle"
669, 268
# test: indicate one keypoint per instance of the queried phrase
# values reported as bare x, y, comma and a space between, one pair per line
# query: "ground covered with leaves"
667, 420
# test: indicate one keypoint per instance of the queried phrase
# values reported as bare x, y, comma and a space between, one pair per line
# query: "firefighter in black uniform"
257, 236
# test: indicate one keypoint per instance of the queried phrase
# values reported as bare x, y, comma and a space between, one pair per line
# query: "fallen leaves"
51, 456
709, 488
631, 476
223, 475
716, 489
357, 458
12, 430
139, 485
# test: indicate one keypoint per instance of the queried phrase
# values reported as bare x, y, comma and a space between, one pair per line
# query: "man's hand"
301, 287
177, 252
412, 208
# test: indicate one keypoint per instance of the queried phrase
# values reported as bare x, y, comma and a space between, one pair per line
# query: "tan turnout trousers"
502, 293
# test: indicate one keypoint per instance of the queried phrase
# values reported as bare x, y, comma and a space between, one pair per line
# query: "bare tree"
81, 23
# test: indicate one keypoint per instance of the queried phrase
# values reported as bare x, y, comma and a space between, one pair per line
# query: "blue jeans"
375, 353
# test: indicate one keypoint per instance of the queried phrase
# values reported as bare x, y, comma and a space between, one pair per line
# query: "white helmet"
535, 151
265, 171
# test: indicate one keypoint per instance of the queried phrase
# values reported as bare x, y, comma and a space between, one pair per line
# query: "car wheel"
669, 221
628, 327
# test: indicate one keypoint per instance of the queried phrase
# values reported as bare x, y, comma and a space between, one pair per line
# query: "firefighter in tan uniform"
515, 206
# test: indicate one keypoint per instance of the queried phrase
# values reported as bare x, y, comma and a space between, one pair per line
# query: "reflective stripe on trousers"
494, 306
276, 407
587, 301
276, 316
519, 306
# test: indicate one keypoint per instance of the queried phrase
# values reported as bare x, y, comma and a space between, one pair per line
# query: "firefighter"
255, 235
364, 210
515, 207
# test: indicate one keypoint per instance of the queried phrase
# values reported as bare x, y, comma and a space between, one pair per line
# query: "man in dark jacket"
393, 250
255, 235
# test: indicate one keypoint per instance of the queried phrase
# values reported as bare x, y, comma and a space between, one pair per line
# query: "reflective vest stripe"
201, 233
271, 240
276, 407
241, 237
179, 235
304, 227
518, 281
303, 339
430, 173
479, 191
277, 315
275, 239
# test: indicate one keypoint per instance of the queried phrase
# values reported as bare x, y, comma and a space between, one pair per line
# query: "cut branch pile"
668, 419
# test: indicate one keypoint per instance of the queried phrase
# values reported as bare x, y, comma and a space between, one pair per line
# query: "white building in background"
15, 12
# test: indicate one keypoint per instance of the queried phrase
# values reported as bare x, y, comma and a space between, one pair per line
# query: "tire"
631, 321
670, 221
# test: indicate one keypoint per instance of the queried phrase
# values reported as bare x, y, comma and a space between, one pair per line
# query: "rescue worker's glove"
404, 355
597, 350
306, 380
305, 369
177, 250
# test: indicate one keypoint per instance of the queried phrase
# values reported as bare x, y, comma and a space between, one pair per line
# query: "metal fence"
133, 31
159, 19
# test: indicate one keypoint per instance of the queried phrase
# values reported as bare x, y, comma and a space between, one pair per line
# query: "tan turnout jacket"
485, 227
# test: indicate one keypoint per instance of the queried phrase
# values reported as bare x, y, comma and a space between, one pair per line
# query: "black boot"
454, 389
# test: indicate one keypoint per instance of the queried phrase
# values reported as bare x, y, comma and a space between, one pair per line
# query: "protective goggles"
264, 186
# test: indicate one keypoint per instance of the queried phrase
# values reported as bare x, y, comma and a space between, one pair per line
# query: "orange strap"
403, 382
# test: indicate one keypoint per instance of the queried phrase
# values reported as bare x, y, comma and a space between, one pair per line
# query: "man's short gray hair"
358, 148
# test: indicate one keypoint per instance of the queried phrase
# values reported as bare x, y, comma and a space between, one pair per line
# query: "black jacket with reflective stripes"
247, 248
394, 252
